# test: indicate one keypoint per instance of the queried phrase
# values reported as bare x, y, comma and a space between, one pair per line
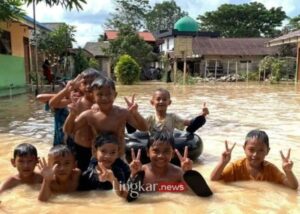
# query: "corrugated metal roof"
232, 46
96, 48
291, 37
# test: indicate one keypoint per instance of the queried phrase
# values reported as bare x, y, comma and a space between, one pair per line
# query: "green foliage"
163, 16
243, 20
68, 4
189, 80
56, 43
10, 9
128, 12
273, 68
81, 62
294, 23
93, 63
129, 42
127, 70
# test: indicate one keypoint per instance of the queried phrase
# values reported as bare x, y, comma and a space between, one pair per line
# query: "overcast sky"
89, 22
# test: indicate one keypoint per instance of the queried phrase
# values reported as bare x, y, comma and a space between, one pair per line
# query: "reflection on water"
235, 109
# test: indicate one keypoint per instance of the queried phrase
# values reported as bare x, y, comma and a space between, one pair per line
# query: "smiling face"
25, 165
85, 86
107, 154
256, 152
160, 154
65, 165
104, 97
160, 100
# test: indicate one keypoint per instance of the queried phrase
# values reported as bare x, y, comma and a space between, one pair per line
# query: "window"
5, 42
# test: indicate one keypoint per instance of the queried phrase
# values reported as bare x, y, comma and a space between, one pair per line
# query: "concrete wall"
17, 32
168, 45
11, 71
12, 67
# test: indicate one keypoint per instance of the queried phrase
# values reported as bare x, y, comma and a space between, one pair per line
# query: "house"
15, 52
148, 37
97, 49
292, 37
209, 55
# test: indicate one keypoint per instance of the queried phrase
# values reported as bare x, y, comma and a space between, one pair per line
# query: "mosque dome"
186, 23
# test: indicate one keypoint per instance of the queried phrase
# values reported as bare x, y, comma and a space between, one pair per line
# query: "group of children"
88, 152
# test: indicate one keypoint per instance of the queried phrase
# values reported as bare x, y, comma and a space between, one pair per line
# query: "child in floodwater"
254, 166
24, 160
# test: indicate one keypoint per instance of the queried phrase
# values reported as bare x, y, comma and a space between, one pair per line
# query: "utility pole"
35, 50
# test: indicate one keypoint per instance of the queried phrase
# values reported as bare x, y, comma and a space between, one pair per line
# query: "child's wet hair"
100, 82
106, 138
259, 135
163, 136
60, 150
25, 149
162, 90
91, 73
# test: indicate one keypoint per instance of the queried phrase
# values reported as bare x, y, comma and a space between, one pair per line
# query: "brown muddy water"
235, 109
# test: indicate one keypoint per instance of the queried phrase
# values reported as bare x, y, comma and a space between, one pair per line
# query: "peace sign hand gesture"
226, 155
185, 162
46, 170
205, 110
131, 106
105, 174
287, 164
75, 83
135, 165
74, 105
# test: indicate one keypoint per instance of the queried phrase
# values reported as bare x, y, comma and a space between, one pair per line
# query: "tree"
294, 24
10, 9
129, 42
56, 43
127, 70
244, 20
163, 16
68, 4
129, 12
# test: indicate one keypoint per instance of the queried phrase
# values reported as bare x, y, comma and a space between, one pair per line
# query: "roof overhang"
283, 41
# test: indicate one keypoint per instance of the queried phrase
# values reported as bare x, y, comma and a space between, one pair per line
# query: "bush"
127, 70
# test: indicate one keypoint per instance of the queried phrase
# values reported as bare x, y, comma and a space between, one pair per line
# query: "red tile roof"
147, 36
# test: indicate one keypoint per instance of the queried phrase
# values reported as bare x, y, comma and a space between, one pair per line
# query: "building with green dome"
206, 54
186, 24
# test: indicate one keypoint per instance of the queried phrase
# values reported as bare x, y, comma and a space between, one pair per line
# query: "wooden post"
216, 67
247, 71
227, 67
175, 69
297, 76
236, 70
184, 69
205, 68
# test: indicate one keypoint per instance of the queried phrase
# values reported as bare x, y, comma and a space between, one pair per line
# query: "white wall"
168, 45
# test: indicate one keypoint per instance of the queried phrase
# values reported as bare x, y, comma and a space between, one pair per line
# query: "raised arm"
226, 156
287, 165
47, 172
44, 98
62, 98
198, 121
135, 118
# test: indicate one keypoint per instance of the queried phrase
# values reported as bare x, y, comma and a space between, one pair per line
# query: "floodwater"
235, 109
